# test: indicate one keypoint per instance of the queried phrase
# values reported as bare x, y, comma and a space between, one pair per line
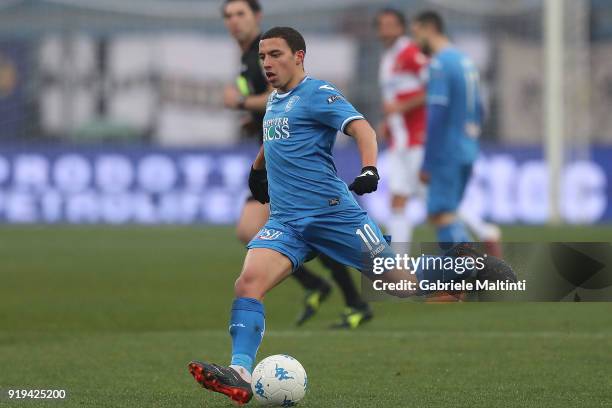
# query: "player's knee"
249, 284
243, 286
442, 218
433, 219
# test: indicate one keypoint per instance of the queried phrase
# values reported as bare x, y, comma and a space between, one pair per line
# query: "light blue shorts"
446, 188
349, 237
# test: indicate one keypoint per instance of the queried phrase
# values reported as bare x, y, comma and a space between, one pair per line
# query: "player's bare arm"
260, 160
365, 137
410, 104
233, 99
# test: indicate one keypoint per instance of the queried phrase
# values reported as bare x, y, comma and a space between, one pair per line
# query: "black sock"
342, 277
307, 279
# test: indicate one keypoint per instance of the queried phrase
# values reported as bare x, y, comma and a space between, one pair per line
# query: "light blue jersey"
299, 132
454, 110
311, 209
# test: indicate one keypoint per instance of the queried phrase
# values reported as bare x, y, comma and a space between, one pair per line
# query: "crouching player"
311, 209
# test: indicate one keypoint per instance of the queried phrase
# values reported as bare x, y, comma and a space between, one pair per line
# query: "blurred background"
111, 111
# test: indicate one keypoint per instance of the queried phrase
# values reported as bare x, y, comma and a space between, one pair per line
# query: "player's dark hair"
253, 5
293, 38
394, 12
431, 18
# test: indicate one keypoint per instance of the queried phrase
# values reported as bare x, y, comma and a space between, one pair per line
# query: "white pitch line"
421, 333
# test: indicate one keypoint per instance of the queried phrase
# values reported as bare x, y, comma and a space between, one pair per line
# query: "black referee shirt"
252, 81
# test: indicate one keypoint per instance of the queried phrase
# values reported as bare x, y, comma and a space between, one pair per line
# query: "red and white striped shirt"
401, 78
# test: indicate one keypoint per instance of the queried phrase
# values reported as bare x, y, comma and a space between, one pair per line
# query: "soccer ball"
279, 381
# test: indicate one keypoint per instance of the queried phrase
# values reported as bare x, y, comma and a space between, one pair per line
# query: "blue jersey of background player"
454, 115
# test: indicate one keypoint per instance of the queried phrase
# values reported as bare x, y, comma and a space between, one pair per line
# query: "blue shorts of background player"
446, 188
348, 237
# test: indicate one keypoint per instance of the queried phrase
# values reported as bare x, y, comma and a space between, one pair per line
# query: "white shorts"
404, 167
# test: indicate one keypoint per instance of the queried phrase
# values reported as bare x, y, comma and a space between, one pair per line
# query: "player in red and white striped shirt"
403, 92
402, 77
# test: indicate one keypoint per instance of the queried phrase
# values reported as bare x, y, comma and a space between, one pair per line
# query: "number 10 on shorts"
368, 236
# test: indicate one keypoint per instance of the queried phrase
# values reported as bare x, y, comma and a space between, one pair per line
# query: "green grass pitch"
113, 315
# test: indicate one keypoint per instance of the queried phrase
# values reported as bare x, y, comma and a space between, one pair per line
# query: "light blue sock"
452, 233
247, 326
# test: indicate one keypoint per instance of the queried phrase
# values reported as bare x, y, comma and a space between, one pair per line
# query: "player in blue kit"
454, 116
242, 19
311, 209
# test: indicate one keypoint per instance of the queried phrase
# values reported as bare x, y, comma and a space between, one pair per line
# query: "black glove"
366, 182
258, 184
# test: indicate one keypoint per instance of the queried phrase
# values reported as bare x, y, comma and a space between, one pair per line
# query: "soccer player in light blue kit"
454, 116
312, 210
